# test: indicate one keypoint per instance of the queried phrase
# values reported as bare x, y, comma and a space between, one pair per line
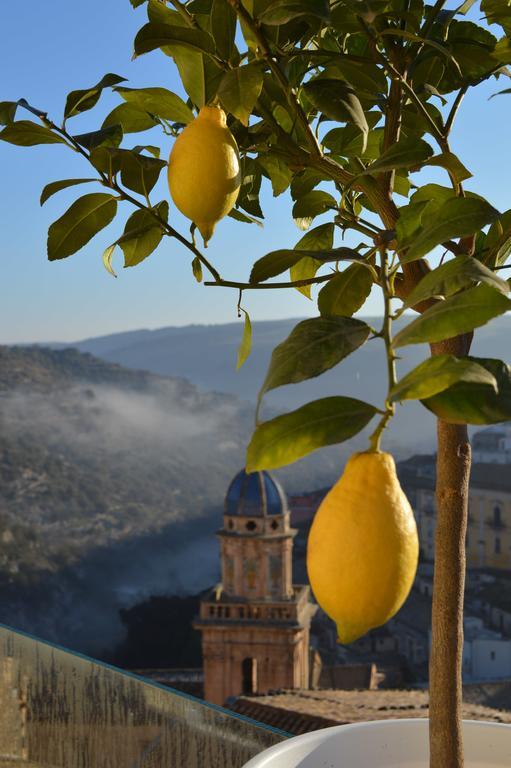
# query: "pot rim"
323, 733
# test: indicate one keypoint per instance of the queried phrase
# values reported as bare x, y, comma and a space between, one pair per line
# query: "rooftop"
301, 711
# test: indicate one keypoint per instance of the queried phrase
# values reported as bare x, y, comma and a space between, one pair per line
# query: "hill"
111, 484
206, 354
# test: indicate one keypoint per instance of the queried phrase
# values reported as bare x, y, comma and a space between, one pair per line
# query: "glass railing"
62, 710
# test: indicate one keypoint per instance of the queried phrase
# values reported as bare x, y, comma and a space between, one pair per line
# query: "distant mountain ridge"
206, 354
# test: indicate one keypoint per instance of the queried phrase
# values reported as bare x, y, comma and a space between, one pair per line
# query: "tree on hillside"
347, 105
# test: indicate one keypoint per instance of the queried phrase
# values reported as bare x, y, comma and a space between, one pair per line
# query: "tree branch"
271, 286
274, 65
112, 184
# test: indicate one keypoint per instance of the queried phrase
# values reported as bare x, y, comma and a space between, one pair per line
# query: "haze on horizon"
75, 298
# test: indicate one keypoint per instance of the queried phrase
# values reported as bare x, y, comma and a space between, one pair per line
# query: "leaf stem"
386, 333
454, 109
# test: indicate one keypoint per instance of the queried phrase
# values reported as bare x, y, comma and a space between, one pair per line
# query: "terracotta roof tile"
300, 711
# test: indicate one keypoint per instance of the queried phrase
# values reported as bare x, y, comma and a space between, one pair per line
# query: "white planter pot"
385, 744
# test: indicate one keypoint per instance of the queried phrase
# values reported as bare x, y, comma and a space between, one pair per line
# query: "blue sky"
51, 48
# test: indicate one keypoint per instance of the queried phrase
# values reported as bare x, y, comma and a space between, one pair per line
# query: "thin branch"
431, 20
112, 184
274, 65
184, 13
454, 109
271, 286
386, 334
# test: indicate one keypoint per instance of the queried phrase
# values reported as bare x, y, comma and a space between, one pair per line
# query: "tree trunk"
445, 667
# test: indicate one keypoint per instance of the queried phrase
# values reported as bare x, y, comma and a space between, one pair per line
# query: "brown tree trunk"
445, 667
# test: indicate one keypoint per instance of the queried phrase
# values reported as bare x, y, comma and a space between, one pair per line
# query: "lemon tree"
348, 106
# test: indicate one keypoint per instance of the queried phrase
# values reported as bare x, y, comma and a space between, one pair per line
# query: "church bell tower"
255, 623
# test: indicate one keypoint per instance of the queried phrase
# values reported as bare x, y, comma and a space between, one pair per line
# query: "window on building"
497, 515
492, 655
497, 545
249, 676
251, 525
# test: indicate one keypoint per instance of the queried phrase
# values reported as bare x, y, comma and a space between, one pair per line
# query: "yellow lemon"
363, 546
204, 170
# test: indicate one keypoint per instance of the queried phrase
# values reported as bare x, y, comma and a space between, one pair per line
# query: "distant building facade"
489, 520
492, 445
255, 624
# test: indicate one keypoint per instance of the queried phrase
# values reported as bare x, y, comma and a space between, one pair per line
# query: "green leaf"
105, 137
278, 172
337, 101
157, 35
362, 75
142, 235
84, 219
320, 238
246, 341
498, 241
139, 172
81, 101
345, 293
107, 259
158, 101
498, 12
289, 437
191, 68
239, 90
7, 112
56, 186
451, 277
244, 218
130, 118
501, 93
311, 205
276, 262
452, 164
439, 373
305, 269
281, 11
25, 133
423, 41
197, 269
304, 182
460, 313
475, 403
458, 217
350, 141
313, 347
223, 28
248, 197
407, 153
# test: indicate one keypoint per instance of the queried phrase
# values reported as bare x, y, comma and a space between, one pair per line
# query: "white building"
492, 445
486, 654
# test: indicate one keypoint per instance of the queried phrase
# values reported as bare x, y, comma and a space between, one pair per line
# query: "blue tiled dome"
255, 495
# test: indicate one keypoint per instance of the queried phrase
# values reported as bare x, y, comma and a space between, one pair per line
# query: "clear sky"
51, 48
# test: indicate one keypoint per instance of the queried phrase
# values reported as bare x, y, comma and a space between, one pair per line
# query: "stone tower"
255, 623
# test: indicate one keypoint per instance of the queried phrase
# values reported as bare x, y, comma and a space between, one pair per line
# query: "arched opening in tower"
249, 676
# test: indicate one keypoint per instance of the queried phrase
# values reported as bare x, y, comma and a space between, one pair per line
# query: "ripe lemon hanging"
204, 170
363, 547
